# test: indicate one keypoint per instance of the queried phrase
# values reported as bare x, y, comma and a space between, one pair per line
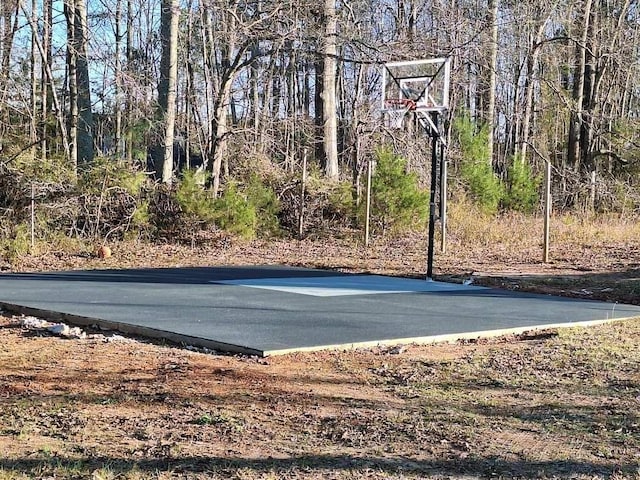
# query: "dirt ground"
556, 404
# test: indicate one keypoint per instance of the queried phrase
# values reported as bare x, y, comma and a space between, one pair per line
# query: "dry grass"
602, 228
560, 405
470, 228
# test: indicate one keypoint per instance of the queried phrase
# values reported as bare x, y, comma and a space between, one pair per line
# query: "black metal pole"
432, 194
443, 198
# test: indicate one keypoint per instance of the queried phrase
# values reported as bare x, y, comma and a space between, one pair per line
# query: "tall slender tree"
118, 80
81, 116
575, 123
162, 150
492, 24
329, 96
8, 28
46, 87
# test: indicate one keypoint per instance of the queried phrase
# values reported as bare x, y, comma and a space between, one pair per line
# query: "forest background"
163, 120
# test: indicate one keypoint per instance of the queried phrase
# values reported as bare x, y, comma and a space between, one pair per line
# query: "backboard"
421, 84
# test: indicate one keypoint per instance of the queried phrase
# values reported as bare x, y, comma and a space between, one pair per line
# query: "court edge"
181, 339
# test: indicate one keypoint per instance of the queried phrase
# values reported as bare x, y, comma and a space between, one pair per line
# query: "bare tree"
532, 61
81, 115
162, 150
8, 28
46, 87
575, 125
231, 61
129, 102
492, 23
561, 76
118, 80
329, 97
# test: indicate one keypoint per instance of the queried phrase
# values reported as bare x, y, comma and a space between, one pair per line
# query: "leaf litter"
554, 404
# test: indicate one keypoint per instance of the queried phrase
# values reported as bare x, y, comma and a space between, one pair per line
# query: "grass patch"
583, 384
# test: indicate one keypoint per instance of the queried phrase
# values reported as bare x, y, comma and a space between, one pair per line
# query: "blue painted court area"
273, 310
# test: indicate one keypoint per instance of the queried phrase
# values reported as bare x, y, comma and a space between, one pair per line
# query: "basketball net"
395, 111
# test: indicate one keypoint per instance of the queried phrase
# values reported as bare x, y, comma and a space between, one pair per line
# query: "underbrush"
112, 202
471, 225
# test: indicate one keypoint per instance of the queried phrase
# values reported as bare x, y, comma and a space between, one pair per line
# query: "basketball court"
274, 310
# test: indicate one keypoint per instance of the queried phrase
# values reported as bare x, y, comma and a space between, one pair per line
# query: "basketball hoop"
422, 88
424, 82
395, 110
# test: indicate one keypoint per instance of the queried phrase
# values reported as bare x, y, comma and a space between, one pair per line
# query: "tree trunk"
319, 110
412, 27
330, 116
85, 118
49, 76
492, 21
588, 97
118, 81
162, 151
255, 95
81, 121
129, 99
189, 97
575, 123
532, 68
231, 57
266, 113
220, 130
33, 125
8, 28
46, 87
72, 75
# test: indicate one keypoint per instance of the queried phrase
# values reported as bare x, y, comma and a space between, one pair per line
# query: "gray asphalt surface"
271, 310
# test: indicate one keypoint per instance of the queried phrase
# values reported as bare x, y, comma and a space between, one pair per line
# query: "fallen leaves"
486, 407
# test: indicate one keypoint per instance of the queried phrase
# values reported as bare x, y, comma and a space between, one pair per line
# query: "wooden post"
303, 184
547, 211
367, 213
33, 217
592, 198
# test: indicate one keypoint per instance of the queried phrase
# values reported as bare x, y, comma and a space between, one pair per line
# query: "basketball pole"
432, 195
428, 100
443, 199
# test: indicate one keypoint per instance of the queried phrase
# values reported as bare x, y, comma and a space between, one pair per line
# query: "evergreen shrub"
482, 184
266, 205
105, 173
397, 202
522, 192
197, 205
19, 244
234, 214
